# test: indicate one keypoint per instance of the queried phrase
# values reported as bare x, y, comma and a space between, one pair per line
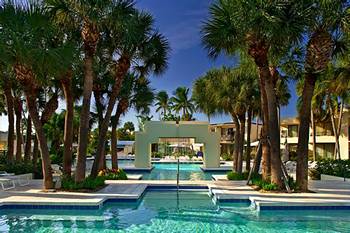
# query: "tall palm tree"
89, 18
33, 60
135, 93
231, 91
329, 17
183, 102
140, 44
204, 102
163, 103
257, 28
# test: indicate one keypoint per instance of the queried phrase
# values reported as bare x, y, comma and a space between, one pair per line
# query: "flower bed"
113, 174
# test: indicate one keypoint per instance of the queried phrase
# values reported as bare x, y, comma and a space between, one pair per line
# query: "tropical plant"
163, 103
263, 30
232, 91
140, 44
137, 93
328, 18
90, 18
183, 103
27, 35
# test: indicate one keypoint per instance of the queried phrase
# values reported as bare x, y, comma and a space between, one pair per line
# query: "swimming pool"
168, 171
171, 212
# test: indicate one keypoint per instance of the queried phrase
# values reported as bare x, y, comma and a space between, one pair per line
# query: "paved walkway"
327, 193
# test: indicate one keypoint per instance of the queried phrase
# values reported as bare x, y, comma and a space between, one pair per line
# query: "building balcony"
227, 138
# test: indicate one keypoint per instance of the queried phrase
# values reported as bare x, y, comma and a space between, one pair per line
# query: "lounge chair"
4, 181
21, 180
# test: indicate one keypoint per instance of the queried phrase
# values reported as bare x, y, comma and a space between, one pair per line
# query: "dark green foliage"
88, 183
113, 174
236, 176
20, 167
226, 157
157, 154
339, 168
262, 184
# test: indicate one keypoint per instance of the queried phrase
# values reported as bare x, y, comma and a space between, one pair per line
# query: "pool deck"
326, 194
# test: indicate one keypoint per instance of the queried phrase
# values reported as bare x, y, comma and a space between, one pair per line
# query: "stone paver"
326, 193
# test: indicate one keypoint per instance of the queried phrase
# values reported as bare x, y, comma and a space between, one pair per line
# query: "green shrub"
269, 187
262, 184
226, 157
237, 176
113, 174
339, 168
88, 183
158, 154
191, 154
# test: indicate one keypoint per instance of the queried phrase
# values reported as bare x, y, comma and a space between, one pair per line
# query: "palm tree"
257, 28
204, 102
135, 93
231, 91
33, 61
163, 103
141, 44
329, 17
89, 18
182, 102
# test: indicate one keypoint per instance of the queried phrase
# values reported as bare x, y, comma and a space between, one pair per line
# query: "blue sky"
180, 22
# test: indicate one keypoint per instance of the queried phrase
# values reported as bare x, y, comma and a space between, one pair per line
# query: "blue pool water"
168, 171
172, 212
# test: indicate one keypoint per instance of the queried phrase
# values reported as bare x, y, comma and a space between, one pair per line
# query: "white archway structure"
171, 129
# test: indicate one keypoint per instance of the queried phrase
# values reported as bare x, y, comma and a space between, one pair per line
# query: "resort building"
325, 140
227, 135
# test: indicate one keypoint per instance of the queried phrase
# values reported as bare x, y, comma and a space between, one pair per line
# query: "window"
324, 129
293, 130
325, 150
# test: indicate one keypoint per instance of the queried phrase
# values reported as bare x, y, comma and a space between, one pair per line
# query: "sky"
180, 21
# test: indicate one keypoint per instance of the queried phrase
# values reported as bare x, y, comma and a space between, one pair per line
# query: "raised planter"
335, 178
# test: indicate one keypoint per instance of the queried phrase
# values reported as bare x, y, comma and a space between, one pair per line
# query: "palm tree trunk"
35, 155
274, 131
236, 142
340, 120
313, 135
44, 150
11, 121
303, 137
265, 147
68, 124
241, 148
18, 113
28, 147
114, 141
121, 70
99, 106
49, 109
84, 118
248, 149
335, 130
